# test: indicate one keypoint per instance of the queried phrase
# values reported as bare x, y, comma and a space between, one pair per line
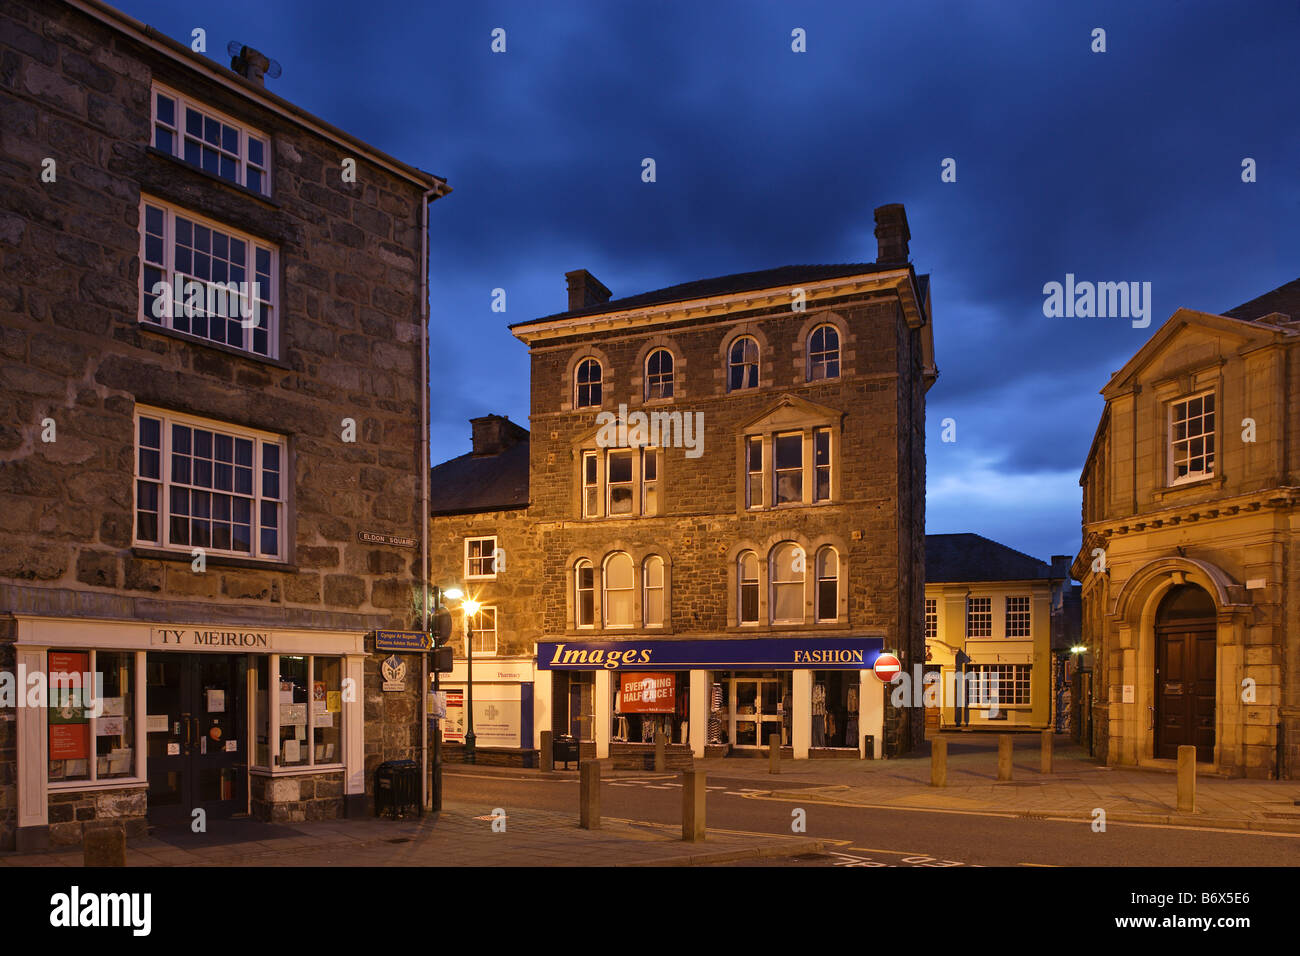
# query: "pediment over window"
790, 413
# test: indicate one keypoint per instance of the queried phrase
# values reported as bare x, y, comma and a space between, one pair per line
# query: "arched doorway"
1186, 672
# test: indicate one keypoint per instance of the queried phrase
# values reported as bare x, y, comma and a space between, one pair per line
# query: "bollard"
938, 762
774, 753
104, 845
1186, 779
693, 795
589, 794
547, 755
1004, 756
661, 751
1046, 755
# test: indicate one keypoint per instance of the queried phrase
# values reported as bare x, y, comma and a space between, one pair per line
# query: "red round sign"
886, 666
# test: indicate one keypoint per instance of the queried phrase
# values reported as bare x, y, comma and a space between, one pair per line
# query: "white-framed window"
621, 482
979, 617
650, 481
306, 687
821, 464
485, 632
208, 280
828, 585
480, 557
754, 471
742, 364
586, 385
747, 574
1000, 684
584, 589
211, 140
1191, 438
787, 468
210, 485
659, 375
1018, 622
619, 594
787, 567
652, 587
823, 353
931, 618
590, 484
85, 747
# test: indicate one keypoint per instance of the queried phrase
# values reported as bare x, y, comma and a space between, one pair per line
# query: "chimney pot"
585, 290
493, 434
251, 65
892, 234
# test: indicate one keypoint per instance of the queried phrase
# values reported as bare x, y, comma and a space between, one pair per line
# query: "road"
870, 836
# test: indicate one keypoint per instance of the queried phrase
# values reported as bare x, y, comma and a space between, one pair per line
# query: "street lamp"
471, 608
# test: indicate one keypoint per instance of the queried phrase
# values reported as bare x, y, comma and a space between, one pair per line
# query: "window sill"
1210, 481
235, 188
215, 346
296, 771
217, 560
58, 786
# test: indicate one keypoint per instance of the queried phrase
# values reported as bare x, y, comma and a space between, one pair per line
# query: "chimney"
585, 289
891, 235
251, 64
493, 434
1061, 567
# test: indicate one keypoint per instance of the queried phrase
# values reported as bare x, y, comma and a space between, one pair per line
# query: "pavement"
460, 834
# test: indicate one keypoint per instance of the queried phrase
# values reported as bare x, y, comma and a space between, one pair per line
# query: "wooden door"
1185, 689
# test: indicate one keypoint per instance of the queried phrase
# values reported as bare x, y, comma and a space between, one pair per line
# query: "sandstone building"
210, 509
1190, 563
725, 511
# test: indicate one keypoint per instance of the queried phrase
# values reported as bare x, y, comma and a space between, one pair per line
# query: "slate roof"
1284, 299
739, 282
952, 558
474, 483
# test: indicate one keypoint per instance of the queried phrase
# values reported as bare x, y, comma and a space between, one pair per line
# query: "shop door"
1185, 678
199, 760
758, 710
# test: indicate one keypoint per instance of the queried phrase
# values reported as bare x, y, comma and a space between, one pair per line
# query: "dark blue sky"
1116, 166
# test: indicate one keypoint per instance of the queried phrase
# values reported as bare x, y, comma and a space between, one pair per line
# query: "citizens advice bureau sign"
776, 653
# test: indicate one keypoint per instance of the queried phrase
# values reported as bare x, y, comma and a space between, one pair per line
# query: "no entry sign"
886, 666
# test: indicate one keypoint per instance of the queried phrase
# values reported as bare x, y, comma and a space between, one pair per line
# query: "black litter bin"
564, 749
397, 788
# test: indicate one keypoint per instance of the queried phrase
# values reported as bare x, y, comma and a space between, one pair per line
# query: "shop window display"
835, 699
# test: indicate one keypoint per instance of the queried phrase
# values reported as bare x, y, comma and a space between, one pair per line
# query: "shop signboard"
647, 693
777, 653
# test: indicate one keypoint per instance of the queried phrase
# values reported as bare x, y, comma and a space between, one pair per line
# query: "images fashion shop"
714, 697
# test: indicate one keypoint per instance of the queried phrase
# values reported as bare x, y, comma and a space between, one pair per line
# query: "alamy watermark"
194, 297
656, 429
1103, 300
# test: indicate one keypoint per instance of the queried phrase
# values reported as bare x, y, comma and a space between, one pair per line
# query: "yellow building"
1189, 564
988, 627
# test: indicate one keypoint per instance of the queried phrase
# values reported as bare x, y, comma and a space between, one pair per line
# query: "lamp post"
471, 607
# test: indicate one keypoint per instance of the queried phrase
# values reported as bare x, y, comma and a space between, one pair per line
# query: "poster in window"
319, 702
453, 730
69, 741
648, 693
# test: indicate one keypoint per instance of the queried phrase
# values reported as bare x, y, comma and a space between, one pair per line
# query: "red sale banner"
647, 693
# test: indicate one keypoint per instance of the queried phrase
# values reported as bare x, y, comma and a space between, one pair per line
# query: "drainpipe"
423, 576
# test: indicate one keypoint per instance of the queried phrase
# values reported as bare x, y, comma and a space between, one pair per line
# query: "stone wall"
298, 798
70, 810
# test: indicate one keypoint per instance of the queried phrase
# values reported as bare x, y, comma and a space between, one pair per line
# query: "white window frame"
630, 484
983, 615
802, 581
179, 134
578, 590
647, 588
818, 578
754, 477
601, 490
168, 267
1210, 449
479, 631
838, 353
741, 583
1015, 685
778, 472
732, 364
92, 779
605, 603
273, 749
577, 386
932, 618
663, 382
829, 467
592, 495
650, 485
490, 558
1028, 617
164, 480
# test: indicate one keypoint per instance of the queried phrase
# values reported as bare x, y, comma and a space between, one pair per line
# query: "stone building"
208, 503
1189, 565
989, 616
725, 516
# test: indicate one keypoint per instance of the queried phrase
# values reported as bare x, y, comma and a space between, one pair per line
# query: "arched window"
652, 582
823, 353
747, 575
588, 384
659, 375
742, 364
828, 585
620, 590
787, 574
584, 589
